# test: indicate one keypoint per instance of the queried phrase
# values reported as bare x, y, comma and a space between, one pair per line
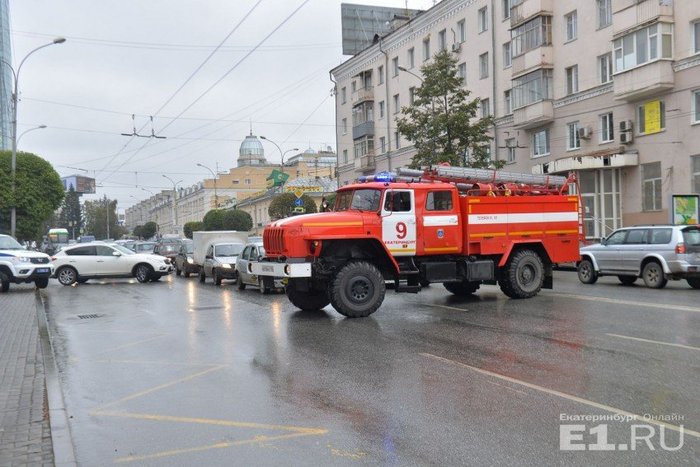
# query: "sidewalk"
25, 432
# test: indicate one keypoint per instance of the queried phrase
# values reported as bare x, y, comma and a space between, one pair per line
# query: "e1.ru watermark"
628, 434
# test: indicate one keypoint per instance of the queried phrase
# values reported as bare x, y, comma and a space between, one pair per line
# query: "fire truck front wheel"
358, 290
312, 300
523, 275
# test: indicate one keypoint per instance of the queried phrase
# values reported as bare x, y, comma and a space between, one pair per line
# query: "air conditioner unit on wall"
625, 125
626, 137
585, 132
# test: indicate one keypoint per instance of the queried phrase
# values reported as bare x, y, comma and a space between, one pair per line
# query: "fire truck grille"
274, 241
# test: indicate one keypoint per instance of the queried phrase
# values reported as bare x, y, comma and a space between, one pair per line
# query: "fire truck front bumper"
282, 269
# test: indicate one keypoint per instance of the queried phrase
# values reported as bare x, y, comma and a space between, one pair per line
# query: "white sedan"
85, 261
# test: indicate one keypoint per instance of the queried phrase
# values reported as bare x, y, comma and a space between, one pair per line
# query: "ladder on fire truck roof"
471, 175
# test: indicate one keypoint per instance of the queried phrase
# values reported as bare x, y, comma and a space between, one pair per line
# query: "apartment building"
609, 89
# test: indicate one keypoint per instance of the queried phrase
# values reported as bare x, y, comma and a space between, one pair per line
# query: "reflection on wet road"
183, 373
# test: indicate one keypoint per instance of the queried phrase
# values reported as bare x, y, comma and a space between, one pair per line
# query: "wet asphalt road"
183, 373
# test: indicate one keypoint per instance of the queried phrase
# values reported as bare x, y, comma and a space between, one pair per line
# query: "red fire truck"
457, 226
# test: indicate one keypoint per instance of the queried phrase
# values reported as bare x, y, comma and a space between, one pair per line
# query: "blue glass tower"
5, 77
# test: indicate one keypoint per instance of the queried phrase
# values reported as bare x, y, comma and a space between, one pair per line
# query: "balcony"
362, 95
529, 9
363, 129
365, 163
629, 14
541, 57
644, 81
533, 115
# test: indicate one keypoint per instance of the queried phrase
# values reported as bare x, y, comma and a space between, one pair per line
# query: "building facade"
6, 77
607, 88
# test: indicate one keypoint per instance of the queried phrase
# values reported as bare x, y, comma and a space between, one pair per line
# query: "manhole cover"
87, 316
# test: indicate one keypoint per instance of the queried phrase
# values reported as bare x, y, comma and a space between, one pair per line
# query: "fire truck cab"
413, 228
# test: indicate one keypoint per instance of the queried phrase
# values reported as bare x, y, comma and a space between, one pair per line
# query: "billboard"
81, 184
361, 23
684, 209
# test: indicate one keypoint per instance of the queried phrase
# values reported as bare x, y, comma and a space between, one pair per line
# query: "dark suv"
656, 253
168, 248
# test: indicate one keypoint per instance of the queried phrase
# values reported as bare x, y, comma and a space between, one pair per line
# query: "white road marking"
661, 306
653, 342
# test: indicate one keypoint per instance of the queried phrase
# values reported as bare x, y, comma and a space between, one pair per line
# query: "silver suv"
656, 253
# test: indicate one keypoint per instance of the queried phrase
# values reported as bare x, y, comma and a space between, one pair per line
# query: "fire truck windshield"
362, 200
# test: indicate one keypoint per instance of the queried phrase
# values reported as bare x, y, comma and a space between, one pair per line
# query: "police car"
18, 265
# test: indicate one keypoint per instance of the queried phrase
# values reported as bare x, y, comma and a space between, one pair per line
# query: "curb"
64, 454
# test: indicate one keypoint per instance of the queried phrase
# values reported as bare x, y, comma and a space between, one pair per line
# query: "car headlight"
226, 266
190, 260
21, 259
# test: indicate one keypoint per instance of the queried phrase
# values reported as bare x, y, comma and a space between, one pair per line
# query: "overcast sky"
125, 57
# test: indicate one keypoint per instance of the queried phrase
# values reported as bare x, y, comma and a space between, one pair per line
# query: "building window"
572, 80
380, 72
695, 104
531, 35
604, 13
507, 4
426, 49
696, 174
343, 96
397, 141
607, 128
507, 55
483, 19
485, 108
540, 143
507, 102
510, 149
695, 32
353, 87
571, 21
442, 39
411, 57
247, 181
381, 109
411, 95
651, 117
605, 68
345, 126
395, 66
532, 87
363, 113
643, 46
462, 72
382, 144
397, 104
345, 156
484, 65
364, 147
651, 186
572, 139
462, 31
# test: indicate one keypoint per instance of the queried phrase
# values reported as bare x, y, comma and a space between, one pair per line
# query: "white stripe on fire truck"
523, 218
439, 221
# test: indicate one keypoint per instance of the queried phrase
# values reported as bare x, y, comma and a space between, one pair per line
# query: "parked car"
220, 262
168, 247
184, 262
656, 253
18, 265
252, 253
142, 247
85, 261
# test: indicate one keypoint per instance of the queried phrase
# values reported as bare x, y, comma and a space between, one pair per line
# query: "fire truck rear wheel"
358, 290
312, 300
523, 275
462, 289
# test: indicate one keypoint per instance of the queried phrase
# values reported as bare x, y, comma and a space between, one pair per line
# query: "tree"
235, 219
101, 219
283, 205
214, 220
71, 216
442, 121
38, 193
190, 227
149, 229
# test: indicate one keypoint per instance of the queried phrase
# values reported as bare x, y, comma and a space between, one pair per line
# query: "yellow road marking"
158, 388
131, 344
654, 342
563, 395
664, 307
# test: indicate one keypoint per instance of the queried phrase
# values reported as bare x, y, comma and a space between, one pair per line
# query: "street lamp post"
176, 227
280, 150
15, 98
216, 195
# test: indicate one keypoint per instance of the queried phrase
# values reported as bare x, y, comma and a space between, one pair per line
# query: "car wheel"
202, 276
261, 286
67, 275
627, 280
586, 272
239, 281
177, 271
186, 273
216, 277
42, 283
143, 273
4, 282
653, 275
694, 282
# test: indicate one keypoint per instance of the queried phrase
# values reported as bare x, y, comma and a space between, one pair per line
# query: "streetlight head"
295, 149
402, 68
59, 40
200, 165
42, 126
262, 137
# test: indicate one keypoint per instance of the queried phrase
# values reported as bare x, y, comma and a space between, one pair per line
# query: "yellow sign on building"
652, 117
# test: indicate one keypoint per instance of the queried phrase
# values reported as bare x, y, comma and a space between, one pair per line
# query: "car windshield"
144, 247
169, 247
365, 199
122, 249
190, 247
9, 243
231, 249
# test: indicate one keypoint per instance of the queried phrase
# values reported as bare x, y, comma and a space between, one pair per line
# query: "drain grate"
88, 316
